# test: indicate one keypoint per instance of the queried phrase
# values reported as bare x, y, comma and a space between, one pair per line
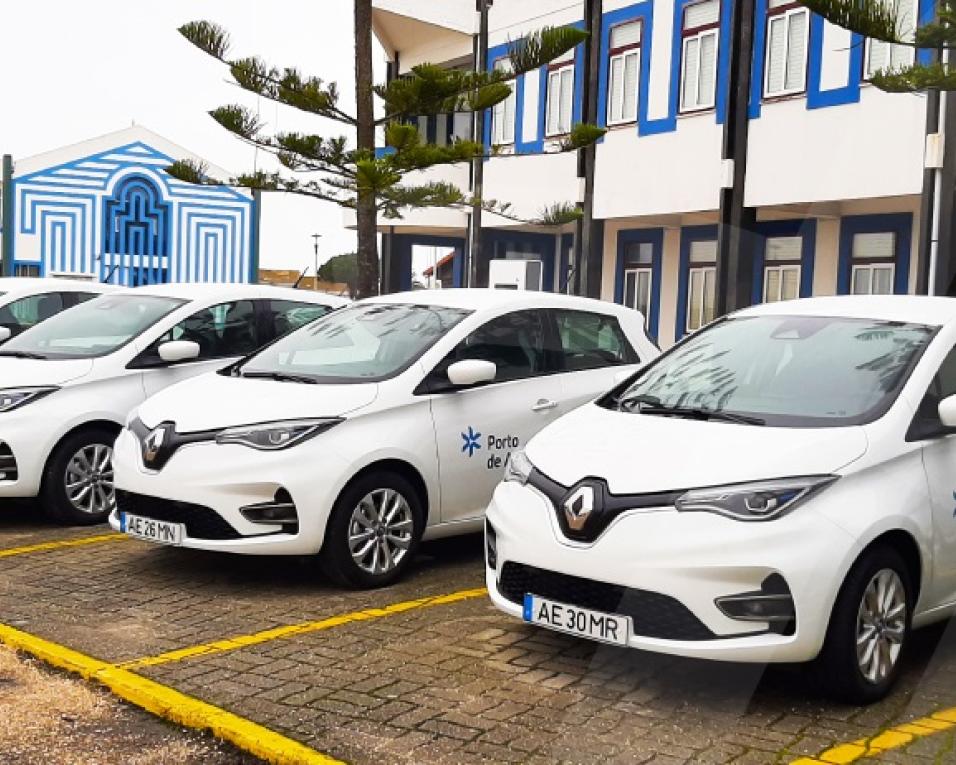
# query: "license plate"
152, 530
594, 625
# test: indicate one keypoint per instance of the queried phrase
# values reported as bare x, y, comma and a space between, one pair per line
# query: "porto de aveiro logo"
472, 442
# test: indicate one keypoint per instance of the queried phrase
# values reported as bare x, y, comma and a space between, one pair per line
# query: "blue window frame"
874, 249
637, 281
773, 269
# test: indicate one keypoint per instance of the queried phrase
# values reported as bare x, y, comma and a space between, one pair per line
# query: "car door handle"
544, 405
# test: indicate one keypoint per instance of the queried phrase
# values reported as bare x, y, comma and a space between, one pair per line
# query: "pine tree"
357, 177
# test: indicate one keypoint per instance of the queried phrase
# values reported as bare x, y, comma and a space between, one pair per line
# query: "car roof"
912, 309
29, 285
236, 292
482, 298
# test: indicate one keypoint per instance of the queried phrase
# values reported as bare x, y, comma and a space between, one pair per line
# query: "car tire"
82, 456
845, 674
361, 522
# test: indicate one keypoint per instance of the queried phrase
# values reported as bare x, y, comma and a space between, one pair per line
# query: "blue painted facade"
118, 216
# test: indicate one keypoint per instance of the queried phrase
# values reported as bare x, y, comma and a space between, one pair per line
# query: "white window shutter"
797, 50
708, 69
703, 251
567, 99
691, 69
881, 246
632, 73
626, 34
784, 248
554, 99
776, 53
616, 94
701, 14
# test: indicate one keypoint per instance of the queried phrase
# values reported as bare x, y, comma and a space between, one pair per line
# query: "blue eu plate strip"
528, 607
123, 522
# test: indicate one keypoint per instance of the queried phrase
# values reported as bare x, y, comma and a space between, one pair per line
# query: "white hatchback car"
67, 385
366, 430
780, 486
26, 301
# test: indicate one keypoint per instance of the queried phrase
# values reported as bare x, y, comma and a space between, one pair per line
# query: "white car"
366, 430
780, 487
67, 385
26, 301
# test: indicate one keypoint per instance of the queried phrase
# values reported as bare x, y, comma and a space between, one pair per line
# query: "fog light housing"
773, 604
491, 546
280, 512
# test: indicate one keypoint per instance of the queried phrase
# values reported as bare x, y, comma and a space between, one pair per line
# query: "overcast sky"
76, 70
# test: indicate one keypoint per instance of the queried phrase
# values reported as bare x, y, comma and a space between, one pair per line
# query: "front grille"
654, 615
200, 522
8, 463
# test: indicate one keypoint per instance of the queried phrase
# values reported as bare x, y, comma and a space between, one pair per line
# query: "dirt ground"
50, 718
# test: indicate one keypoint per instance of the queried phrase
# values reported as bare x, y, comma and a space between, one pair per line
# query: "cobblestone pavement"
450, 683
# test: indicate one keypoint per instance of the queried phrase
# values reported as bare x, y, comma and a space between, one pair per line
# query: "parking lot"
427, 671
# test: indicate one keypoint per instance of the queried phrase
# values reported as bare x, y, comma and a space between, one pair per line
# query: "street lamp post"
316, 238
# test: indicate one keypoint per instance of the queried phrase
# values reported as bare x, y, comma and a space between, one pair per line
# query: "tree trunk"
366, 212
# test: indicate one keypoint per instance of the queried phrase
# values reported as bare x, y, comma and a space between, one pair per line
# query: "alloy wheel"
380, 531
89, 480
881, 626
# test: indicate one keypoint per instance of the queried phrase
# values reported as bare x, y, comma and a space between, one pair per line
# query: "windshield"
364, 343
784, 371
94, 328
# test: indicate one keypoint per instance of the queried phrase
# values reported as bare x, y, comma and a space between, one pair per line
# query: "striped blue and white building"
105, 209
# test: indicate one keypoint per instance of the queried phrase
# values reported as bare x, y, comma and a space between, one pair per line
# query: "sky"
74, 71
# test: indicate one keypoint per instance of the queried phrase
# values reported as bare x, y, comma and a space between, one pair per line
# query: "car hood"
213, 401
20, 373
638, 453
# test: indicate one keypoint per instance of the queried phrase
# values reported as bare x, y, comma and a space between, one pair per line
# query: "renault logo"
153, 443
578, 507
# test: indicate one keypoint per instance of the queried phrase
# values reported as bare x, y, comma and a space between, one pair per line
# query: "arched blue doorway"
136, 233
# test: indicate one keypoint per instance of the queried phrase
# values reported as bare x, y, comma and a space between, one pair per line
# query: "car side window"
20, 315
592, 340
517, 343
284, 316
224, 330
942, 386
81, 297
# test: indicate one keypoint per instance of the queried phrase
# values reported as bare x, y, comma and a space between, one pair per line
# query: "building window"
624, 70
874, 264
701, 284
701, 29
560, 95
782, 268
503, 115
639, 277
788, 28
886, 56
26, 269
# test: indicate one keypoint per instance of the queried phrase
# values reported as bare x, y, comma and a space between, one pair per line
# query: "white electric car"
67, 385
376, 425
778, 487
26, 301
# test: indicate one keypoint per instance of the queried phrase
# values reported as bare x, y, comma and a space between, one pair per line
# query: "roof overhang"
396, 30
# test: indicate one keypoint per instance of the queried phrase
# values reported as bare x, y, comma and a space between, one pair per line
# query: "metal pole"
472, 254
589, 247
737, 223
8, 224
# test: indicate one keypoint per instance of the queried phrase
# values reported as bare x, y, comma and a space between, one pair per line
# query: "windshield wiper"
22, 355
699, 413
279, 377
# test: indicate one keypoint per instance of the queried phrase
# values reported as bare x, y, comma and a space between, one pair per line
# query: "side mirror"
5, 334
947, 412
179, 350
465, 374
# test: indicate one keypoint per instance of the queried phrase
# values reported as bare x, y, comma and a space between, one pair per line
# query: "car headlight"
272, 436
518, 468
757, 501
14, 398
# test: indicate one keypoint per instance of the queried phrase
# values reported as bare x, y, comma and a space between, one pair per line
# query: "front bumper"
25, 445
204, 486
670, 569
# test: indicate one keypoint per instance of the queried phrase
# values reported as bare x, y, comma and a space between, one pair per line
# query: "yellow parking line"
169, 703
63, 544
893, 738
244, 641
